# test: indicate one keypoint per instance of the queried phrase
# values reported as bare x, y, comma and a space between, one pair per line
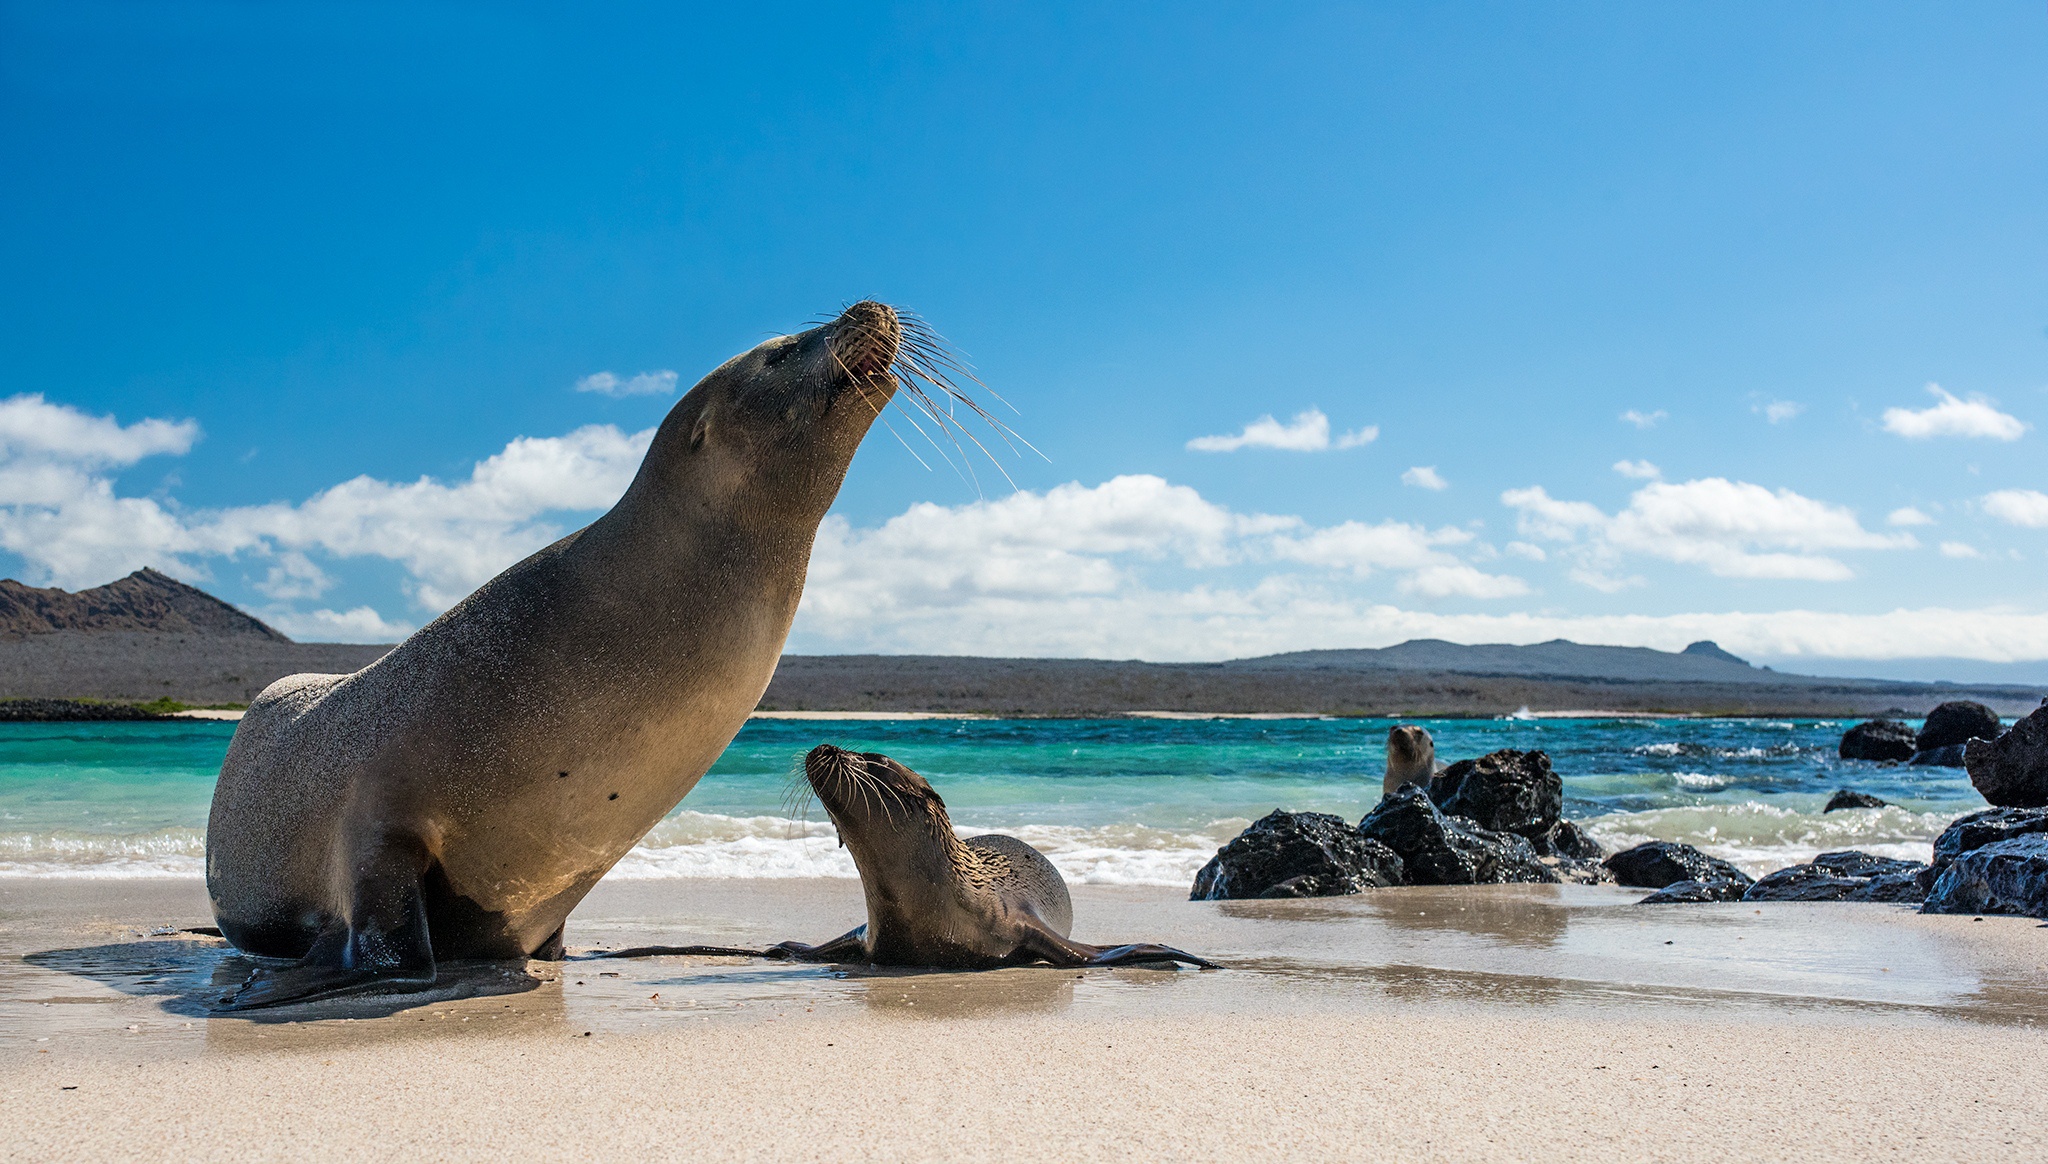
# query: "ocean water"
1131, 801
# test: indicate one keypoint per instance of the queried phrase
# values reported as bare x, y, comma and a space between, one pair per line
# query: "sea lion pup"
1411, 758
459, 796
933, 899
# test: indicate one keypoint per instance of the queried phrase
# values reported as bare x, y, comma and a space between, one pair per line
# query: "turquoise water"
1126, 800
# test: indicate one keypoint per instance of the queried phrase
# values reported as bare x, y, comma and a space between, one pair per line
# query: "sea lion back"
1030, 878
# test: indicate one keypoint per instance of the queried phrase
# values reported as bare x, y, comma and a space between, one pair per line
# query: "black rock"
1656, 864
1440, 849
2009, 876
1957, 722
1912, 885
1985, 827
1506, 791
1879, 739
2012, 770
1847, 875
1856, 863
1698, 892
1849, 798
1946, 756
1296, 854
1577, 870
1567, 839
1803, 883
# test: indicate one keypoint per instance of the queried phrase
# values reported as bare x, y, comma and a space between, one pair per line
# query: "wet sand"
1505, 1022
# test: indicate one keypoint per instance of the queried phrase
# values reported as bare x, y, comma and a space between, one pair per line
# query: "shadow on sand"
189, 974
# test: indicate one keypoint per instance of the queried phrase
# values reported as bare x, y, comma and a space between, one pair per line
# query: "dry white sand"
1499, 1024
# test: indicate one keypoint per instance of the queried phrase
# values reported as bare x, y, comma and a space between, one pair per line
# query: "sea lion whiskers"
922, 359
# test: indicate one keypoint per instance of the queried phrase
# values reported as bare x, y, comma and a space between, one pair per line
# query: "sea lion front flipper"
851, 946
1041, 943
384, 945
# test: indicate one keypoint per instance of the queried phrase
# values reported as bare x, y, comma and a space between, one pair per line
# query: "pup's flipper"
1043, 944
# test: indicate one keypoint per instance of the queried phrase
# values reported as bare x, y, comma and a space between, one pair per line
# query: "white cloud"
2025, 507
1733, 528
1644, 419
1952, 416
1308, 432
661, 383
1959, 550
1529, 550
59, 511
1640, 470
1777, 411
1425, 477
358, 625
1461, 581
1907, 515
32, 429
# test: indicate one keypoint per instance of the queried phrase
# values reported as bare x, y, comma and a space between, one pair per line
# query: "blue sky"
314, 245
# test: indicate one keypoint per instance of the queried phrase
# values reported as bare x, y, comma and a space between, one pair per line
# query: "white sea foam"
177, 853
1757, 836
1761, 837
696, 844
1701, 780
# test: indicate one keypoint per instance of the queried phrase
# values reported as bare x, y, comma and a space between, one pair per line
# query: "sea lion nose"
865, 338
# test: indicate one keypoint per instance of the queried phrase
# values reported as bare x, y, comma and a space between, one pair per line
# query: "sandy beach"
1496, 1023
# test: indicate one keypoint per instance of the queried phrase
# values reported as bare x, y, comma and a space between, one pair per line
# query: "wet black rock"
1957, 722
1985, 827
1441, 849
1879, 739
1567, 840
1507, 791
1847, 875
1657, 864
1850, 798
1947, 756
1296, 854
2012, 770
1698, 892
2008, 876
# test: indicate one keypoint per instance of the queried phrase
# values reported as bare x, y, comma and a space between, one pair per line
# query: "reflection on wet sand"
1522, 915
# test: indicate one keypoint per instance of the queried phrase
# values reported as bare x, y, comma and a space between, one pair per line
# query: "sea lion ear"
700, 430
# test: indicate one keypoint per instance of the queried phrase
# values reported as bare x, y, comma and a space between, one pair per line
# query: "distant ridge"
1702, 662
143, 601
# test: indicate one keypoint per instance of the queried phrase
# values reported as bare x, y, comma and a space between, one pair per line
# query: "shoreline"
235, 716
1493, 1023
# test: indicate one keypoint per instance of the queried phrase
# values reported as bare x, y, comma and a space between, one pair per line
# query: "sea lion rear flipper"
850, 946
1042, 943
383, 946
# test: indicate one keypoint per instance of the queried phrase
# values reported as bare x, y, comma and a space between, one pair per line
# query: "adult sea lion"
933, 899
1411, 758
458, 797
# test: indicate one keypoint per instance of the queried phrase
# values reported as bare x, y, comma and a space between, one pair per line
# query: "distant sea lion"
458, 797
933, 899
1411, 758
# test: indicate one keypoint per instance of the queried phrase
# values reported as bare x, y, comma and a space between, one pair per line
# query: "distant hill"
1702, 662
143, 601
149, 636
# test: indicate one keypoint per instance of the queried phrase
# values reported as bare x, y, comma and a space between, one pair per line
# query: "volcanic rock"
1506, 791
1985, 827
1296, 854
1441, 849
1957, 722
1878, 739
2008, 876
1697, 892
1849, 798
1657, 864
2012, 770
1846, 875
